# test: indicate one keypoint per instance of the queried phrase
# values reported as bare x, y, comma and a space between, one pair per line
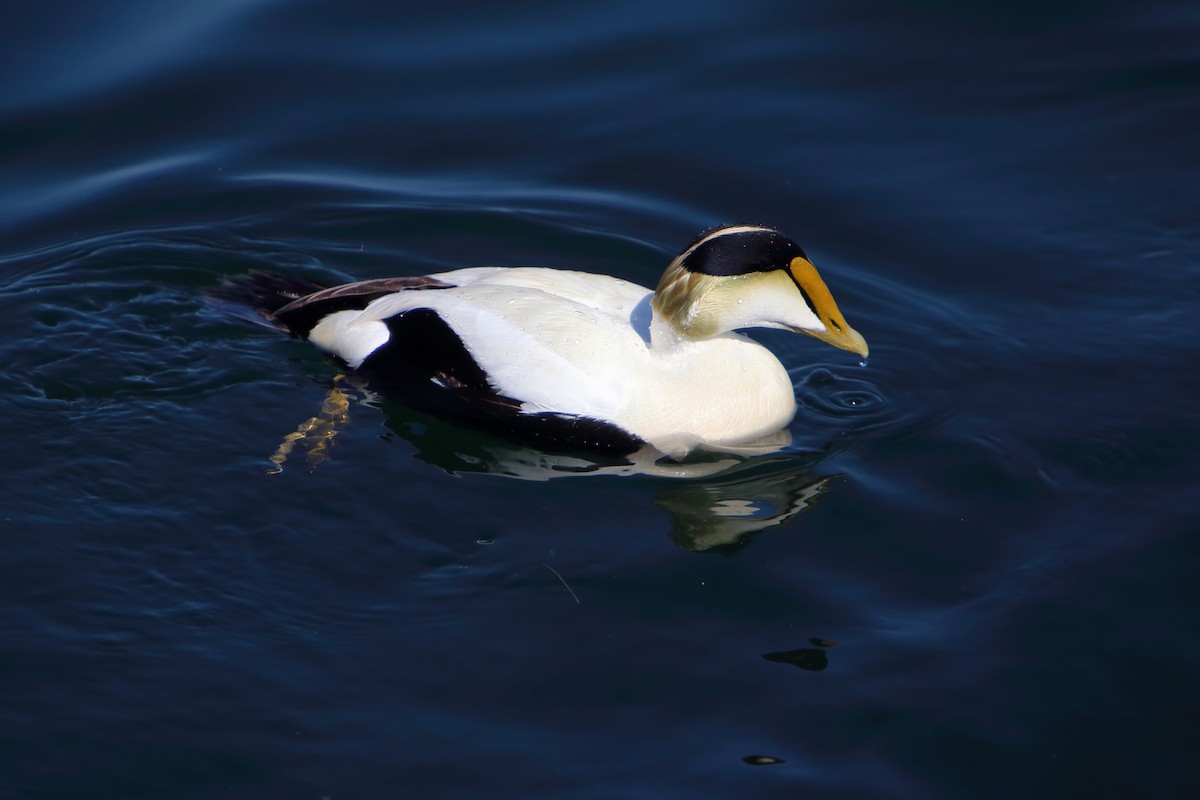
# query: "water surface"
971, 574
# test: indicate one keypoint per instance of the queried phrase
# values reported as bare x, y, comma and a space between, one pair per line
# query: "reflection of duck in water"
562, 358
714, 499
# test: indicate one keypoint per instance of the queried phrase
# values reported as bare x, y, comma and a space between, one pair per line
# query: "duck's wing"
301, 310
516, 359
301, 315
546, 352
534, 345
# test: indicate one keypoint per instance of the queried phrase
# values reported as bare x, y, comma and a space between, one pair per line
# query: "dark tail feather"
256, 296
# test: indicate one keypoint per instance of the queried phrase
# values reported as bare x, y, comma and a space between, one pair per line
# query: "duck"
577, 360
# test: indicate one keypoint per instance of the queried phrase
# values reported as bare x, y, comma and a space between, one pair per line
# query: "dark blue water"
973, 573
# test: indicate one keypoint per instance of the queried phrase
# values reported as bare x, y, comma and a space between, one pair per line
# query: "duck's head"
749, 276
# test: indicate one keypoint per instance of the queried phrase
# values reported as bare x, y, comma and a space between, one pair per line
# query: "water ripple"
838, 397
